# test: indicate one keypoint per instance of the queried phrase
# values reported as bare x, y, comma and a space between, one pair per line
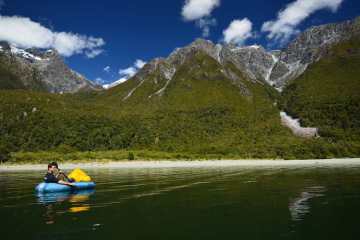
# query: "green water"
198, 203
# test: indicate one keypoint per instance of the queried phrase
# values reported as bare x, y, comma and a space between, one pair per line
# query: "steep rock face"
16, 73
309, 47
252, 60
41, 70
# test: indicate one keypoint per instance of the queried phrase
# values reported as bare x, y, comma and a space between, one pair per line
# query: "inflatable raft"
55, 187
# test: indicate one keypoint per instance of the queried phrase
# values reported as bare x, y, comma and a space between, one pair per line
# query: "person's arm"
66, 183
65, 176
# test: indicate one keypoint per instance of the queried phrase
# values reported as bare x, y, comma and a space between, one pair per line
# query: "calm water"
199, 203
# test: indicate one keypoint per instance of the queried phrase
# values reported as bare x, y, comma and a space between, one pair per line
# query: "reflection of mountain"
300, 206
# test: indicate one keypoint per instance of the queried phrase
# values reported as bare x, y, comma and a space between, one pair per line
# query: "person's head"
52, 166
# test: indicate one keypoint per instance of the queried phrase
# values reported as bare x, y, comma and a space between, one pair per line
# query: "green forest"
201, 115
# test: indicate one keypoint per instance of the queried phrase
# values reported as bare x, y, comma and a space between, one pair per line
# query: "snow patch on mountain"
113, 84
24, 54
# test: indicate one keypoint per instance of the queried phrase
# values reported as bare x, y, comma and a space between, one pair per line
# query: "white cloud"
204, 24
107, 69
126, 73
200, 12
99, 81
238, 31
139, 63
129, 72
93, 53
289, 18
197, 9
25, 33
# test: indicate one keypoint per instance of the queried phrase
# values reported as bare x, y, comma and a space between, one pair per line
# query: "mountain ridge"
276, 67
45, 67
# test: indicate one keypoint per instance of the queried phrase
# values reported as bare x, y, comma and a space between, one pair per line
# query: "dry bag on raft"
79, 175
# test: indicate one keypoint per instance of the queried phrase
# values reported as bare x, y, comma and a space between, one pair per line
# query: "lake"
188, 203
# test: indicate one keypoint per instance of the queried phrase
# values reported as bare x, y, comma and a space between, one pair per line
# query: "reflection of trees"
51, 201
300, 206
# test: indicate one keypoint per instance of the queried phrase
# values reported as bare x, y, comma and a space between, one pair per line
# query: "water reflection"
73, 197
300, 206
55, 203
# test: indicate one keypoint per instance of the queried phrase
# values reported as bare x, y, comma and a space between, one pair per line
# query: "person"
54, 175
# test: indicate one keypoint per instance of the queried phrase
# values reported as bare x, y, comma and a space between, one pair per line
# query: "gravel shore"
190, 164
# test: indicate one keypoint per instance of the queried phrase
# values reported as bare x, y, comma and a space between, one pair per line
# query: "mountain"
308, 48
34, 69
276, 73
327, 94
253, 62
204, 99
278, 67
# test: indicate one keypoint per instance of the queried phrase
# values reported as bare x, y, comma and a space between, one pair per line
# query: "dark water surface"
197, 203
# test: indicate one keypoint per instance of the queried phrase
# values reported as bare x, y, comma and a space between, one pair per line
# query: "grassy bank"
104, 156
43, 157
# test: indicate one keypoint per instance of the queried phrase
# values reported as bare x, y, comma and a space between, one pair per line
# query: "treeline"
55, 124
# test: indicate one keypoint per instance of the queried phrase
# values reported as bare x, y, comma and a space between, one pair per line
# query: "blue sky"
127, 30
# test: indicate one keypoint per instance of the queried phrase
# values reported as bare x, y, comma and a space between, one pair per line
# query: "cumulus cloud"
197, 9
129, 72
289, 18
238, 31
200, 12
25, 33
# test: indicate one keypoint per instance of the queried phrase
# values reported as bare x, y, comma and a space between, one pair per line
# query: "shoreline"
138, 164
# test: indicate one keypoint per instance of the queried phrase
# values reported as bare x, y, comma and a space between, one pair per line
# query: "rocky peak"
167, 67
306, 47
150, 67
47, 66
35, 51
207, 46
180, 54
309, 47
254, 60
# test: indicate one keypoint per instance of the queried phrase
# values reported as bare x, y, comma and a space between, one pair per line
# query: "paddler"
55, 175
